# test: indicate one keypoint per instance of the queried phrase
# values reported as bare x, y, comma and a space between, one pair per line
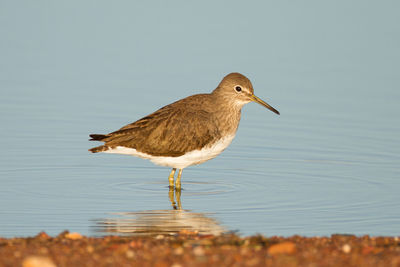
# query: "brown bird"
187, 132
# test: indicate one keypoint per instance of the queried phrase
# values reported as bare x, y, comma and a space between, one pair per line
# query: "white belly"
190, 158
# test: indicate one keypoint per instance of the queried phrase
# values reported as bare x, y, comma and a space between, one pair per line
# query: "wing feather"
170, 131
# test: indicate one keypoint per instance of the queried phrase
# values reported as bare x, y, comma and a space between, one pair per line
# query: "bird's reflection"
155, 222
177, 205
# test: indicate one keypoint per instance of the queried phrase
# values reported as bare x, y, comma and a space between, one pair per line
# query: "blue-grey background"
329, 164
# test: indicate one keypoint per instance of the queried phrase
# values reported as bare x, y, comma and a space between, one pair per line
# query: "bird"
187, 132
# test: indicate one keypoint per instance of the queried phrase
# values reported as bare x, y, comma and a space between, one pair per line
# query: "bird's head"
237, 89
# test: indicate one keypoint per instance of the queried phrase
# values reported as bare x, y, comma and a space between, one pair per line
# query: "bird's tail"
97, 137
99, 149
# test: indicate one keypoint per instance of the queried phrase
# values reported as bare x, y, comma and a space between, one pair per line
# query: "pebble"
73, 236
43, 235
346, 248
198, 251
178, 251
37, 261
90, 249
282, 248
130, 254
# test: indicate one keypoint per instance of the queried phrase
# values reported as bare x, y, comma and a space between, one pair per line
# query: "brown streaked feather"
97, 137
185, 125
98, 149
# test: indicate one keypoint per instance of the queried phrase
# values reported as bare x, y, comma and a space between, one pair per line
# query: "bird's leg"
171, 178
178, 180
175, 198
172, 198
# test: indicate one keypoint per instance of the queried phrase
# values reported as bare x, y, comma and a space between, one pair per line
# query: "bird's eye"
238, 88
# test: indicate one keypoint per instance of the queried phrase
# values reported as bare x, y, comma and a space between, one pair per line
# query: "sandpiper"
187, 132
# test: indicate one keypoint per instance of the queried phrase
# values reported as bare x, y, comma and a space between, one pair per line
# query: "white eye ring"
238, 88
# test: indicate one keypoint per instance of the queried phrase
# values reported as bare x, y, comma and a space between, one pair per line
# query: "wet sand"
191, 249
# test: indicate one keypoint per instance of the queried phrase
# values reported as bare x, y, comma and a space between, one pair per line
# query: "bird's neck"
227, 114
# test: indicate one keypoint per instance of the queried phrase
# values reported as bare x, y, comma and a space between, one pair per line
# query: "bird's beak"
259, 101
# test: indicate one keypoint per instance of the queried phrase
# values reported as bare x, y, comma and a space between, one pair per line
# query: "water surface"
329, 164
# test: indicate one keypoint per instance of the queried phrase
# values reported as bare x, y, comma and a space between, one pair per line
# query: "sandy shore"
190, 249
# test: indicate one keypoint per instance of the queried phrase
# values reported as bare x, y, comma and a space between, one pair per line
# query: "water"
329, 164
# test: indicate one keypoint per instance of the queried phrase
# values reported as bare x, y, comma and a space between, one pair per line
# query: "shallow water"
329, 164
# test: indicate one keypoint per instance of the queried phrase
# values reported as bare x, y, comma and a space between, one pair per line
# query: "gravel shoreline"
191, 249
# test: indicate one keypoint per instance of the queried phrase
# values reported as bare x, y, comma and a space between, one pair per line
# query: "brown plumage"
190, 124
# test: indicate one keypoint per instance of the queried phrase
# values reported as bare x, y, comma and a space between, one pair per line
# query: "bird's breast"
195, 156
228, 121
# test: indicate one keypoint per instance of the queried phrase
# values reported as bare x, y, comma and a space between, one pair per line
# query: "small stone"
367, 250
135, 244
346, 248
253, 262
244, 250
43, 235
73, 236
178, 251
37, 261
198, 251
159, 237
90, 249
130, 254
282, 248
188, 232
